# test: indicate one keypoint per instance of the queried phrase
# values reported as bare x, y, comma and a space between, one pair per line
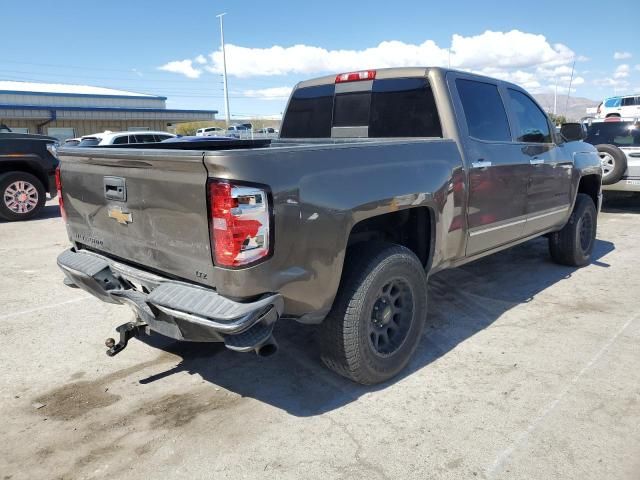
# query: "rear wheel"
574, 243
23, 196
378, 316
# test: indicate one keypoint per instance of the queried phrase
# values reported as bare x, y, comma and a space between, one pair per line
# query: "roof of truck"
397, 72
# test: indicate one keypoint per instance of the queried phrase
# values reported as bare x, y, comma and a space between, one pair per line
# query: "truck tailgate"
148, 208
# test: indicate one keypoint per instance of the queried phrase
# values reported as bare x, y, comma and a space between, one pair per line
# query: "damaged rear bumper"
172, 308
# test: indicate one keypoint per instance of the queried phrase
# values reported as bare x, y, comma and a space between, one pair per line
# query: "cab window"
531, 123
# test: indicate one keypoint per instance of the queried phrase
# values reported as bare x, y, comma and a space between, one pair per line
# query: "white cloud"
622, 55
274, 93
185, 67
508, 50
200, 59
622, 71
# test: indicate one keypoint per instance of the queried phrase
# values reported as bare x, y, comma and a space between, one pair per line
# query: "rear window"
89, 142
401, 107
621, 134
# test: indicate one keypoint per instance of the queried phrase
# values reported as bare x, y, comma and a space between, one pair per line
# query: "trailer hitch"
127, 331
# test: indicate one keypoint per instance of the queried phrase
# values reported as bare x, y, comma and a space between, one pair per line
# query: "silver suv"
618, 144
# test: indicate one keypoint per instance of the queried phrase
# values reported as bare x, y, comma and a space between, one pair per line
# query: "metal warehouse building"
68, 111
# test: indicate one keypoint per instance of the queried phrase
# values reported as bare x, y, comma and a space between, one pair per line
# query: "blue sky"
123, 44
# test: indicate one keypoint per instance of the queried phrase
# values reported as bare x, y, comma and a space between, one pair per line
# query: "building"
68, 111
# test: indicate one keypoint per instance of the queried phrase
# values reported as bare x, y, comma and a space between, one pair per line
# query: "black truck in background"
27, 173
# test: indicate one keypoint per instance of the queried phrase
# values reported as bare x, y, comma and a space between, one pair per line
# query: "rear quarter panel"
319, 194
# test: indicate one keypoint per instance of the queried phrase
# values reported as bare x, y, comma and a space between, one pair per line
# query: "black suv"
27, 173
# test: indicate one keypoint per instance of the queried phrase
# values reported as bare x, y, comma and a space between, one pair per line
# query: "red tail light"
356, 76
63, 213
239, 224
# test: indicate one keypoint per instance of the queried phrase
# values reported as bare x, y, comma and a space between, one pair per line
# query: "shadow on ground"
462, 302
48, 211
621, 202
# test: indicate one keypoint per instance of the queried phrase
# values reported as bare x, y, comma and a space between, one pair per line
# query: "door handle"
481, 163
536, 161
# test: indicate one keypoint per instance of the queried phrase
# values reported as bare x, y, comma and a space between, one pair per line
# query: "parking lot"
526, 370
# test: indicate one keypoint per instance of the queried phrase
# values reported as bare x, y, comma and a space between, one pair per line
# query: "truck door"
497, 172
549, 188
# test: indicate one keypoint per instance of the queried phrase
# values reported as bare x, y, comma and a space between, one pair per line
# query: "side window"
121, 140
531, 122
628, 101
483, 107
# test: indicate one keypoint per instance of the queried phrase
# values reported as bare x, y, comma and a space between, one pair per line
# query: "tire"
22, 196
378, 316
614, 163
574, 244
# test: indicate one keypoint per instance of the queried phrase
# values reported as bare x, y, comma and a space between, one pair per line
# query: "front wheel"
574, 244
23, 196
377, 318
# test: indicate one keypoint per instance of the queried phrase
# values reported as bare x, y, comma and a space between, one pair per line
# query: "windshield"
621, 134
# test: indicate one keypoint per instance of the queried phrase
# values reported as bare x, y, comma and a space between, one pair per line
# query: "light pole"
224, 70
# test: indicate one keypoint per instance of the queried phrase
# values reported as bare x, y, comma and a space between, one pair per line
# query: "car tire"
378, 315
614, 163
22, 196
574, 244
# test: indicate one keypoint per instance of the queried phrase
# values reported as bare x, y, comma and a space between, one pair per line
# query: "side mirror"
572, 132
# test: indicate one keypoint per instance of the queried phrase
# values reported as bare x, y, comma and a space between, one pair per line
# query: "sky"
173, 48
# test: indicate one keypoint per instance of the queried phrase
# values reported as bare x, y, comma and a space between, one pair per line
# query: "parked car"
268, 130
27, 173
239, 131
618, 145
380, 178
115, 138
210, 131
625, 106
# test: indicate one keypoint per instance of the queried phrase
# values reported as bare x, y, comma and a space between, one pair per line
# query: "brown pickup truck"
378, 179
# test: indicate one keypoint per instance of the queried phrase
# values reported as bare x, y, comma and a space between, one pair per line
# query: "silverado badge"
121, 217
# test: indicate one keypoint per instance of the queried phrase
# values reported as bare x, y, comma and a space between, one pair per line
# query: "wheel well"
590, 185
6, 167
613, 115
411, 228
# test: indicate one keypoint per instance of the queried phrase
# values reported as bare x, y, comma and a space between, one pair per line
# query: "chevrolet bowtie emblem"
121, 217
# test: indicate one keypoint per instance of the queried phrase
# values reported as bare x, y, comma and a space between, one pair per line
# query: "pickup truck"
379, 179
27, 172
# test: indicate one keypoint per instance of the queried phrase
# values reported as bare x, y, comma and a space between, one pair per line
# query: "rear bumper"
627, 184
172, 308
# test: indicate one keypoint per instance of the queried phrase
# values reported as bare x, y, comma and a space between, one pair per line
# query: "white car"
210, 132
120, 138
623, 106
618, 144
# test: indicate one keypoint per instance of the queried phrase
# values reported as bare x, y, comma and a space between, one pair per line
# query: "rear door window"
484, 110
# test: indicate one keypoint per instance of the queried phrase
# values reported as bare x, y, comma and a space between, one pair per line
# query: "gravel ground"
527, 370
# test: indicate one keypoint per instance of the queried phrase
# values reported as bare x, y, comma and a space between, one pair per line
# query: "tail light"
239, 224
63, 213
356, 76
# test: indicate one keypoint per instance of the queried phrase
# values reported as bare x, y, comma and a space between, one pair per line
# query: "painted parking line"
522, 438
44, 307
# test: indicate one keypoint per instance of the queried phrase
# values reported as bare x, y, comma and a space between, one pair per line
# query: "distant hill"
576, 109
